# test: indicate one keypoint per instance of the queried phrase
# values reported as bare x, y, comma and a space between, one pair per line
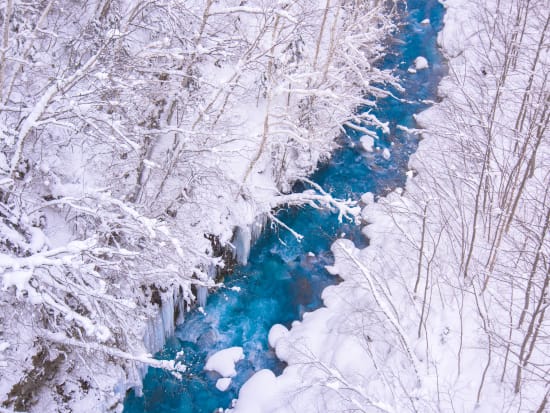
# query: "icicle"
202, 294
179, 307
155, 333
134, 379
180, 318
167, 313
211, 271
258, 227
241, 242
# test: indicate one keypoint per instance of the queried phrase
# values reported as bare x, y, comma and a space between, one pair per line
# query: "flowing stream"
284, 278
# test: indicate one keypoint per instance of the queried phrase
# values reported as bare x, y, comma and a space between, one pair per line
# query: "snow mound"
421, 63
223, 362
223, 383
253, 398
277, 332
367, 142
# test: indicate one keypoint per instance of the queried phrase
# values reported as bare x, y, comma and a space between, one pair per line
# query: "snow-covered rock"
367, 142
421, 63
276, 332
223, 361
223, 383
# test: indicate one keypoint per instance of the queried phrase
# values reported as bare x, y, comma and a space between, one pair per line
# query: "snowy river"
284, 278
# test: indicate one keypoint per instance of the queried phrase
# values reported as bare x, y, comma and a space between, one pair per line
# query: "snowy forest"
146, 144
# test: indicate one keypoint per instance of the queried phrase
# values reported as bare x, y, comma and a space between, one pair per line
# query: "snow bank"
407, 330
276, 332
253, 397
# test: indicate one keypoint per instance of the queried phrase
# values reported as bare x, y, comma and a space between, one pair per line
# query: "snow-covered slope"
144, 144
445, 309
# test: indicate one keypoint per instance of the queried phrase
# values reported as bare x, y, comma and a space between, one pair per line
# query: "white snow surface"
276, 332
223, 383
367, 142
421, 63
258, 394
223, 361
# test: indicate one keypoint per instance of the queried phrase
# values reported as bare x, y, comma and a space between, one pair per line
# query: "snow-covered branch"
146, 359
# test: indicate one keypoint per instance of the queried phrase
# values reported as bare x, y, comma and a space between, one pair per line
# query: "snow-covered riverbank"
444, 310
141, 140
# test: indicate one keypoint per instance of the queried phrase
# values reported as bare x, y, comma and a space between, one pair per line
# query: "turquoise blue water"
282, 280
